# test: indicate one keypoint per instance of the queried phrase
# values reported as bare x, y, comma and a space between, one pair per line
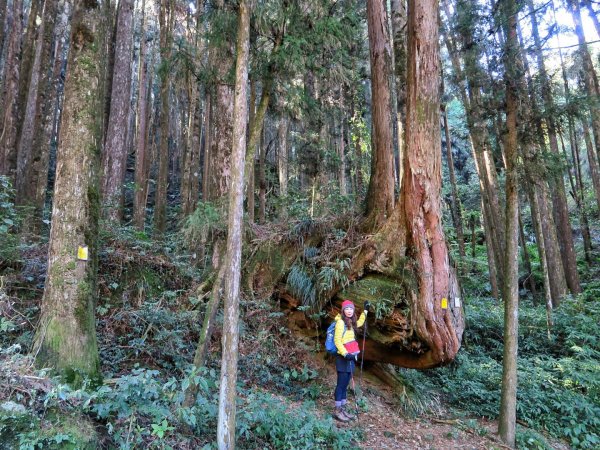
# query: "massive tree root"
406, 329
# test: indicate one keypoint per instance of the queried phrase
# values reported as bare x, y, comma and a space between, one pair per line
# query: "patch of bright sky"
566, 39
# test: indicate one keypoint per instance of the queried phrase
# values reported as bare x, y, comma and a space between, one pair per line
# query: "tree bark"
191, 158
590, 78
282, 160
66, 337
114, 156
399, 16
229, 361
559, 197
27, 59
380, 197
8, 130
262, 180
526, 260
142, 156
28, 154
470, 87
455, 205
510, 288
342, 156
579, 195
207, 145
166, 19
592, 161
434, 319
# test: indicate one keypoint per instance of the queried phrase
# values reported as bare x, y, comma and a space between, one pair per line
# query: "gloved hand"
368, 306
351, 357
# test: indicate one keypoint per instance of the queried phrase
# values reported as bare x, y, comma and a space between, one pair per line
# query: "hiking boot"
338, 414
348, 414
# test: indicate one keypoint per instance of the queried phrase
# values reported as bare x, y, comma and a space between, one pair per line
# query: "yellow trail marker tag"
444, 303
82, 253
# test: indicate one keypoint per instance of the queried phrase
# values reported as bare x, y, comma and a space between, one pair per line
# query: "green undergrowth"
142, 409
558, 378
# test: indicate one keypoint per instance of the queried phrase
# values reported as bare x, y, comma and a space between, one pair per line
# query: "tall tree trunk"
593, 15
166, 19
142, 157
592, 161
207, 144
590, 78
191, 158
491, 260
537, 174
510, 289
8, 128
114, 156
455, 205
579, 195
66, 337
27, 59
526, 259
380, 198
52, 88
262, 180
433, 316
398, 16
470, 87
227, 391
282, 160
537, 223
219, 170
28, 157
559, 197
251, 165
342, 156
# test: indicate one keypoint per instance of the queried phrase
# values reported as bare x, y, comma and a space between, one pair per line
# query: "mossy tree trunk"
9, 98
66, 336
229, 361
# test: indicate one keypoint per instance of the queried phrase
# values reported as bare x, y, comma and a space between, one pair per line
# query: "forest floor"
385, 427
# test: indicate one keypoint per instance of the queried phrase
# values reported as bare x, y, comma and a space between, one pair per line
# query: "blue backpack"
329, 340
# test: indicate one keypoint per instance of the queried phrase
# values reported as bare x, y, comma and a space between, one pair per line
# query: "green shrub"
558, 379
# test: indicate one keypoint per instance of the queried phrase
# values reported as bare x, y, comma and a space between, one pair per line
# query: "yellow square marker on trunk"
82, 253
444, 303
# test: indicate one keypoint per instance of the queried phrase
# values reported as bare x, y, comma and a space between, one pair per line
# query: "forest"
191, 192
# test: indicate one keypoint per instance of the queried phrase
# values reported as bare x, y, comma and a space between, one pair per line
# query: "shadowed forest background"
188, 191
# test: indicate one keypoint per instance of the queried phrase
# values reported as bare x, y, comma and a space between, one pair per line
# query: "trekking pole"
355, 397
362, 355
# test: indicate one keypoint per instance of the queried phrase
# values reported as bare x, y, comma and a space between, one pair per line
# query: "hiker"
346, 326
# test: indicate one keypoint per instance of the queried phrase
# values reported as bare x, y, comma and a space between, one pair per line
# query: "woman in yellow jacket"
345, 340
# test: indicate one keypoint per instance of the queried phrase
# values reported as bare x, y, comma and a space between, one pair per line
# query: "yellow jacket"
340, 337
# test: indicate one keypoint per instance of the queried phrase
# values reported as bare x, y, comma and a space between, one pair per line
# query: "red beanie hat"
347, 304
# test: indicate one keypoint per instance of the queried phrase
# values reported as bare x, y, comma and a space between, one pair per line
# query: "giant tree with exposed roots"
400, 264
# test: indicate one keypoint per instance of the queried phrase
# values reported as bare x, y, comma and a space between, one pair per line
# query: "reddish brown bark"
421, 190
114, 155
380, 198
166, 19
142, 156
